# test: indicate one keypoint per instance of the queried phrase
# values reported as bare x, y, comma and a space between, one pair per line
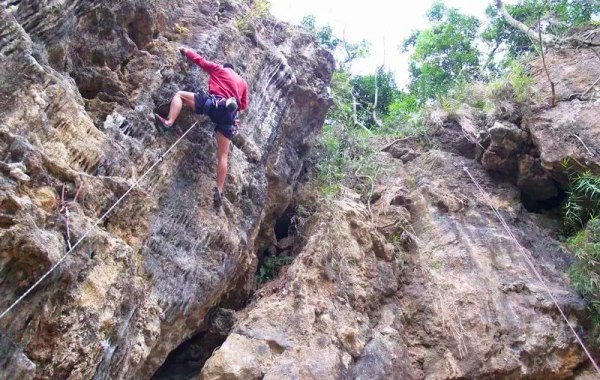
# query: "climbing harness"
64, 208
523, 252
158, 161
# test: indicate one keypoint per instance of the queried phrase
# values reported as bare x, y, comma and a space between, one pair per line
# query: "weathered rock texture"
425, 283
451, 298
80, 80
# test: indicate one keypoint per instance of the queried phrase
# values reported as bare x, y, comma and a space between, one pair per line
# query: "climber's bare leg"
180, 99
222, 153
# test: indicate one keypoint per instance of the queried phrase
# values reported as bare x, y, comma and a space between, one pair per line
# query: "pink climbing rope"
529, 262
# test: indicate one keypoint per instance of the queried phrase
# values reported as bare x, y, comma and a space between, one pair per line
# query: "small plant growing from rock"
583, 202
248, 23
585, 271
271, 268
582, 210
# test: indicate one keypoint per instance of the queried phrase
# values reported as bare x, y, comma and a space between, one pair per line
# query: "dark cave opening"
187, 360
551, 205
285, 226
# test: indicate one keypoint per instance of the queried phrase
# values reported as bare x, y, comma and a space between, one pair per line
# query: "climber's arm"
205, 65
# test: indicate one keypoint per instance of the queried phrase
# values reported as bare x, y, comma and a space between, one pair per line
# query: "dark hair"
228, 66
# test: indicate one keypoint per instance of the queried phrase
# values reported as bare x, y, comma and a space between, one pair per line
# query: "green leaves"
324, 35
364, 90
585, 271
270, 269
444, 53
557, 17
583, 201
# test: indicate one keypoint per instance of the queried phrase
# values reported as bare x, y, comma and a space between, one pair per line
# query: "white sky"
374, 20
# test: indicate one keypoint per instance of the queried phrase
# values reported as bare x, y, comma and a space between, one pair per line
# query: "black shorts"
223, 119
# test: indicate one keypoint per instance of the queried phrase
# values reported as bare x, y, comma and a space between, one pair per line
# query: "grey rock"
78, 106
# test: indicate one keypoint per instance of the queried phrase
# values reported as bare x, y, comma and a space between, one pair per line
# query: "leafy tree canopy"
443, 53
556, 16
364, 90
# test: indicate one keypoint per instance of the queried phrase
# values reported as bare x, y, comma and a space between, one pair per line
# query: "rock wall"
427, 286
425, 283
80, 80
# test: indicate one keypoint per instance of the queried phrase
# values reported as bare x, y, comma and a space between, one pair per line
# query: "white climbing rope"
528, 260
160, 159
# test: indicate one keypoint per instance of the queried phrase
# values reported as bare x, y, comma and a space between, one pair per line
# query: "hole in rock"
140, 28
187, 360
285, 226
545, 206
89, 87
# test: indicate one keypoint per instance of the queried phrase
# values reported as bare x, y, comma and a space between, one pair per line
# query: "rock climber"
227, 96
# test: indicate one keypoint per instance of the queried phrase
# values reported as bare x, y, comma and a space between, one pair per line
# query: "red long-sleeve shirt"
223, 82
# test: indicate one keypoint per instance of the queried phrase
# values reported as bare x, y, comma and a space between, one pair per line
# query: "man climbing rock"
227, 96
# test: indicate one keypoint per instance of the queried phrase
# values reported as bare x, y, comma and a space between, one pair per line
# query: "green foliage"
324, 34
270, 269
403, 116
444, 53
583, 202
258, 10
364, 90
353, 51
515, 85
341, 90
344, 157
557, 16
585, 271
349, 51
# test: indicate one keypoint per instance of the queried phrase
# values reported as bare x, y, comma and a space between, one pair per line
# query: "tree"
364, 88
516, 26
444, 53
324, 35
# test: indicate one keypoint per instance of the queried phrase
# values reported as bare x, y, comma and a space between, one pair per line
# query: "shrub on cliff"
585, 272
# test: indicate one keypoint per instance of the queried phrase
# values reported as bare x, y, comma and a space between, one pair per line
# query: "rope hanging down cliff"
528, 260
32, 287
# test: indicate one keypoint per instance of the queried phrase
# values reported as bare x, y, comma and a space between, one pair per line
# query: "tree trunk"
355, 115
547, 39
375, 118
490, 57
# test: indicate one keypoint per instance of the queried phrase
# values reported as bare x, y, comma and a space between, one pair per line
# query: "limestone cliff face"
79, 83
425, 283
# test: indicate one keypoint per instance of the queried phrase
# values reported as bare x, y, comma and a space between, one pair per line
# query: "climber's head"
228, 66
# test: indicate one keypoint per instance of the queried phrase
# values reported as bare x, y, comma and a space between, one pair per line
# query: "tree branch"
375, 118
378, 122
547, 39
490, 57
544, 61
355, 115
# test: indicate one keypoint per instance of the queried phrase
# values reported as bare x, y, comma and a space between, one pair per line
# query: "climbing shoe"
161, 122
231, 105
217, 201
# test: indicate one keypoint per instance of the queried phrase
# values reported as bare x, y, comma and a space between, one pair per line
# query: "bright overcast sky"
374, 20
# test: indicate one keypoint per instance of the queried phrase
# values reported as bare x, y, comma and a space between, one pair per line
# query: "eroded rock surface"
441, 292
80, 80
426, 283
